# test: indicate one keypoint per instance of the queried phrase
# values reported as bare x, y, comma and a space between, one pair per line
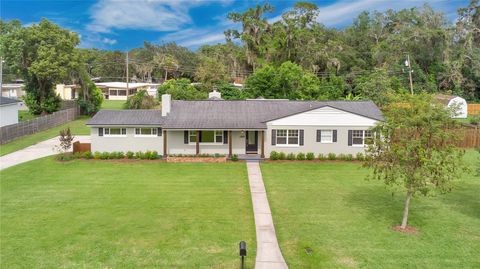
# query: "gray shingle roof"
252, 114
128, 117
7, 101
218, 114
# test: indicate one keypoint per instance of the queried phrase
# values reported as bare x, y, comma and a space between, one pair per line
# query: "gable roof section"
7, 101
252, 114
128, 117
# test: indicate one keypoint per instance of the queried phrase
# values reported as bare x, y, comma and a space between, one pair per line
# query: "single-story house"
8, 111
455, 102
13, 90
119, 91
237, 127
67, 92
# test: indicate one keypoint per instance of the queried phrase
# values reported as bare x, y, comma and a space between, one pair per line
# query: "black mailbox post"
243, 252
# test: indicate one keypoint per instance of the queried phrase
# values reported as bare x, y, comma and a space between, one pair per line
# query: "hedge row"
115, 155
311, 156
203, 155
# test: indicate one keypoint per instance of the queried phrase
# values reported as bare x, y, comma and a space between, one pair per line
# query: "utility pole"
128, 89
1, 73
410, 71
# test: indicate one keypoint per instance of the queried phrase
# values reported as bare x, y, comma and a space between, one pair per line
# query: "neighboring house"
237, 127
8, 111
13, 90
456, 102
119, 91
67, 92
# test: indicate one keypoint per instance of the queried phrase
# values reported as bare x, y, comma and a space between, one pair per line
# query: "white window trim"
114, 135
142, 135
207, 143
287, 145
331, 137
363, 145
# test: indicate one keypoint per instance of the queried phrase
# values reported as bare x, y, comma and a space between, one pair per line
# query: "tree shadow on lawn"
464, 199
380, 206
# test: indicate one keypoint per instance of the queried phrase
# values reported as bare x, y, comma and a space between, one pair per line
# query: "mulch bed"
196, 160
407, 230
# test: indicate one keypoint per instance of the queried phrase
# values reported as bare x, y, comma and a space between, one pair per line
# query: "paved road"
40, 150
269, 255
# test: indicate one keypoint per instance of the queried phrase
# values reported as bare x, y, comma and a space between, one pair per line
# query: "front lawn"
106, 214
346, 221
112, 104
77, 127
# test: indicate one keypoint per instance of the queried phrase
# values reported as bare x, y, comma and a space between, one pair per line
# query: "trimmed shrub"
87, 155
64, 157
97, 155
130, 155
153, 155
310, 156
273, 155
282, 156
348, 157
77, 155
291, 156
234, 157
301, 156
120, 155
341, 156
112, 155
322, 157
139, 155
332, 156
104, 155
360, 157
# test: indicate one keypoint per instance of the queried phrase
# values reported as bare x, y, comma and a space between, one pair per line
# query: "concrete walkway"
269, 255
39, 150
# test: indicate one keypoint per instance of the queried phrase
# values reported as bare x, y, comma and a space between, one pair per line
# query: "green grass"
24, 115
103, 214
347, 221
77, 127
112, 104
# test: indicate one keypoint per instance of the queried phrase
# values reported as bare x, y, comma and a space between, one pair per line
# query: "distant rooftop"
132, 85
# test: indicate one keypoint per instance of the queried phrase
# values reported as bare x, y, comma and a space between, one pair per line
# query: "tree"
141, 100
66, 139
44, 54
262, 83
230, 92
414, 148
181, 89
377, 86
211, 72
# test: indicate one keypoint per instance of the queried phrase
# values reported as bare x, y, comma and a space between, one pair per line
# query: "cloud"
109, 41
158, 15
194, 37
344, 11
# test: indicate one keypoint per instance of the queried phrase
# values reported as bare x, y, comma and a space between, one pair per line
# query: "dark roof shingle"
127, 117
7, 101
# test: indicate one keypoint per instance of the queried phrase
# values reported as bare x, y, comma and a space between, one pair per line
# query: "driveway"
39, 150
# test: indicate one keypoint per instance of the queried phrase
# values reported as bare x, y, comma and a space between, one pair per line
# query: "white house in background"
13, 90
455, 101
8, 111
67, 92
119, 91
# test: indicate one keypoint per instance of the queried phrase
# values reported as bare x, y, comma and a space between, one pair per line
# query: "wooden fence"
81, 147
473, 109
11, 132
471, 138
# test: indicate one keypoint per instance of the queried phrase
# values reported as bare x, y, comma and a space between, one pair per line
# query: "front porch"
225, 142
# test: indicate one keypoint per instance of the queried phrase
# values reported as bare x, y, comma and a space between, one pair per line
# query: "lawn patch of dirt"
407, 230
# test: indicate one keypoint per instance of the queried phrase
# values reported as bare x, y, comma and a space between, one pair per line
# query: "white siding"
124, 144
8, 114
325, 116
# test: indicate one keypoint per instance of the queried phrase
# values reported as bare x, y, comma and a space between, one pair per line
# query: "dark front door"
251, 140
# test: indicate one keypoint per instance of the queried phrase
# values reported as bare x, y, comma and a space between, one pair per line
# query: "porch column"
262, 152
197, 143
229, 144
165, 143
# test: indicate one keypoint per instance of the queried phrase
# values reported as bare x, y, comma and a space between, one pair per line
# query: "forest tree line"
294, 57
